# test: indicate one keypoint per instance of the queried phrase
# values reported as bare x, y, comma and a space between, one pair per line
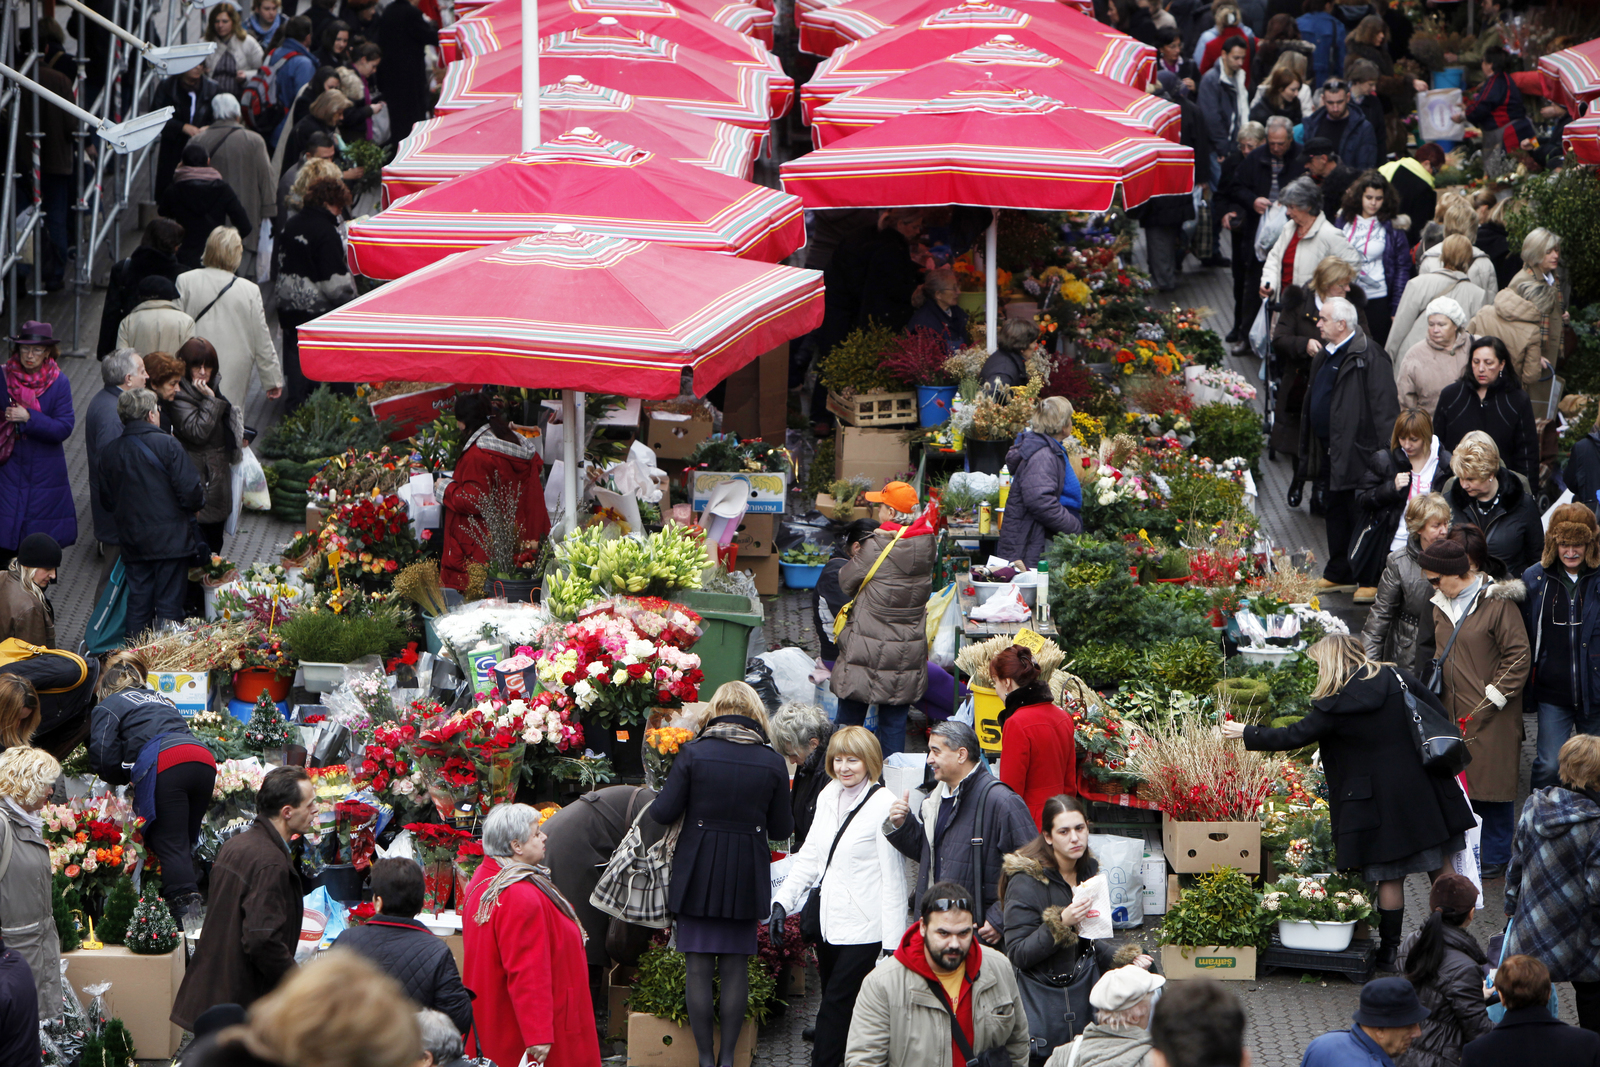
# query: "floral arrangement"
981, 415
595, 562
1313, 900
353, 475
371, 534
238, 782
1228, 382
664, 735
360, 913
437, 845
468, 856
330, 781
1193, 775
1104, 740
919, 359
356, 831
1150, 357
301, 547
214, 572
616, 672
265, 653
92, 842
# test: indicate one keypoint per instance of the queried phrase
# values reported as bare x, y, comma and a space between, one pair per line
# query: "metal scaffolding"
103, 183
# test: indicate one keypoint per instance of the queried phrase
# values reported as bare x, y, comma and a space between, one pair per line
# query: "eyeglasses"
1434, 581
950, 904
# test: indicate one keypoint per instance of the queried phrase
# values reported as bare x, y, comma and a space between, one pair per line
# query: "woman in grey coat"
883, 648
27, 777
1399, 627
1045, 497
211, 429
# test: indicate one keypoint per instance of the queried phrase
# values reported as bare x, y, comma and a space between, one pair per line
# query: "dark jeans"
891, 729
297, 385
843, 968
194, 593
1341, 522
1498, 822
56, 192
1246, 281
1379, 319
1586, 996
183, 791
155, 591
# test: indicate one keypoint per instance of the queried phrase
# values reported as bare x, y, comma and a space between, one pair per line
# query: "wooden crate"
874, 409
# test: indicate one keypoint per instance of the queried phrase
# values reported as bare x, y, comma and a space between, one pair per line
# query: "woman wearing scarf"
137, 737
1045, 497
27, 778
524, 952
494, 455
36, 398
732, 792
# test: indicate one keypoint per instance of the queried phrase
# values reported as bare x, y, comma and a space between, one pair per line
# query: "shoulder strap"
1077, 1047
845, 826
955, 1024
225, 288
977, 849
879, 561
5, 850
1455, 631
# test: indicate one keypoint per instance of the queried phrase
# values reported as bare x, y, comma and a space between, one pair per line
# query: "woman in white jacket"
863, 887
1306, 241
227, 312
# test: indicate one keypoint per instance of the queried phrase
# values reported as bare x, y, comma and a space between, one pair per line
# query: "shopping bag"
1271, 225
110, 616
230, 526
944, 626
1466, 862
257, 497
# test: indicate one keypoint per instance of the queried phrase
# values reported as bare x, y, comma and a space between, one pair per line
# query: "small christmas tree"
266, 728
111, 1047
151, 931
119, 909
63, 899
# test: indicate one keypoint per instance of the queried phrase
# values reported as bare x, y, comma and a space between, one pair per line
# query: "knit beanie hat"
1446, 306
1453, 892
39, 551
1444, 557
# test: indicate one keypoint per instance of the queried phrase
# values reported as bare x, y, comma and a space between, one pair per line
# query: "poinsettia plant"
356, 826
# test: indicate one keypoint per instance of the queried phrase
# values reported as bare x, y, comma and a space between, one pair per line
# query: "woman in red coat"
524, 952
1038, 752
493, 454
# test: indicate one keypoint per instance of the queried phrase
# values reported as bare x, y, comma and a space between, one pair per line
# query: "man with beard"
974, 1005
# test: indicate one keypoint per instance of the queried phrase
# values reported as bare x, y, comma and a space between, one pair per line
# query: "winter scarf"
1071, 490
25, 388
724, 729
512, 871
196, 174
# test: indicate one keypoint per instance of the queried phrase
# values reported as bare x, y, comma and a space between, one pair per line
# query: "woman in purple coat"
1045, 498
36, 399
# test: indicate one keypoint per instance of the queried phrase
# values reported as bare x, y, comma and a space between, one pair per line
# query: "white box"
1154, 894
767, 489
189, 690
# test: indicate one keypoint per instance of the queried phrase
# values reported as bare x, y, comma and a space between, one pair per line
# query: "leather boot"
1390, 923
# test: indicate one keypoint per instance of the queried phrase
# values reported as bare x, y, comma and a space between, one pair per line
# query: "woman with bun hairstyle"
1038, 753
1445, 963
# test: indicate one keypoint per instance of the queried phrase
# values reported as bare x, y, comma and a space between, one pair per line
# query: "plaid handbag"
633, 887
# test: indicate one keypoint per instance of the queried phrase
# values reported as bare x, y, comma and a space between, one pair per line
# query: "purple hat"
35, 333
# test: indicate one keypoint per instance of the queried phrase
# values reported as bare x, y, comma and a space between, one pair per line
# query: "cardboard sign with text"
412, 411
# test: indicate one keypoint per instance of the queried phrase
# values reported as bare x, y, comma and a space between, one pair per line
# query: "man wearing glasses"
941, 999
1351, 135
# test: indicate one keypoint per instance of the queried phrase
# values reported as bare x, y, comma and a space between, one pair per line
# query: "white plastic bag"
1261, 333
791, 673
944, 626
236, 480
1269, 228
1467, 862
256, 495
1006, 605
1122, 865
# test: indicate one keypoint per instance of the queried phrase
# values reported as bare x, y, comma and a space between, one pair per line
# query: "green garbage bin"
727, 620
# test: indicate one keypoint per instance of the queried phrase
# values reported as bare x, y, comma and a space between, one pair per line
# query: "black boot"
1389, 925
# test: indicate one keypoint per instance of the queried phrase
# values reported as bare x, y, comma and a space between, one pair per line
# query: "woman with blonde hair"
1391, 817
313, 171
1541, 263
859, 879
1450, 279
1045, 498
1399, 627
341, 1012
238, 54
137, 737
732, 792
229, 313
1460, 217
1497, 502
19, 711
27, 778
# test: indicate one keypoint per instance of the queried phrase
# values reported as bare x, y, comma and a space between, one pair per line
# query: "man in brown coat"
25, 612
253, 919
240, 156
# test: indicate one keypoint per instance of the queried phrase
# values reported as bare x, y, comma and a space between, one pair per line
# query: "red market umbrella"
956, 29
1019, 65
1576, 72
452, 145
645, 66
991, 144
826, 25
748, 19
583, 180
1581, 140
568, 310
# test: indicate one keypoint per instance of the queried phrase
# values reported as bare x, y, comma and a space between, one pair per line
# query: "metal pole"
990, 296
569, 458
530, 75
13, 253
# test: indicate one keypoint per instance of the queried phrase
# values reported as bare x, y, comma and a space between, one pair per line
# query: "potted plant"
1215, 928
352, 844
1210, 793
1316, 914
861, 392
437, 844
658, 1025
264, 664
327, 636
497, 531
918, 360
802, 565
842, 501
298, 552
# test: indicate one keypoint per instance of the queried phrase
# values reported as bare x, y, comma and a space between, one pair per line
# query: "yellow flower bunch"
1087, 429
668, 739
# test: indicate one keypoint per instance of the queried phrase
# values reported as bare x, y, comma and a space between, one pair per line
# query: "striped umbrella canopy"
1576, 71
969, 25
748, 19
1581, 140
568, 310
1019, 65
579, 179
832, 25
992, 144
641, 64
452, 145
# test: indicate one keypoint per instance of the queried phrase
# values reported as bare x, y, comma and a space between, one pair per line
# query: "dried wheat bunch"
974, 659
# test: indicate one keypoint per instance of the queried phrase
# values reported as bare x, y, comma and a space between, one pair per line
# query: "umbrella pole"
530, 75
990, 295
569, 458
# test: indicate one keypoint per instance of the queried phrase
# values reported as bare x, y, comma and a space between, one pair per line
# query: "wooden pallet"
874, 409
1355, 963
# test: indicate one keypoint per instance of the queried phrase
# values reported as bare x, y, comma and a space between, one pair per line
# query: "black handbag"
1439, 741
1058, 1004
1433, 674
811, 912
989, 1057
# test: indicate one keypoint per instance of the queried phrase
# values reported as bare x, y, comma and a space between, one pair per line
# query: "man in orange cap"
883, 648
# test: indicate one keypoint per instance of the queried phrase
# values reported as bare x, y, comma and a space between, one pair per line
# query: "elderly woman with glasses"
938, 304
800, 733
1307, 241
524, 952
36, 402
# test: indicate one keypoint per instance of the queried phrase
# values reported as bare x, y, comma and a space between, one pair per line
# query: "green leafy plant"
1245, 699
370, 158
856, 362
1289, 685
120, 902
327, 637
821, 472
807, 555
1101, 665
63, 902
1192, 664
846, 492
111, 1047
1097, 595
327, 424
1308, 899
1223, 431
660, 987
1566, 202
266, 729
1220, 908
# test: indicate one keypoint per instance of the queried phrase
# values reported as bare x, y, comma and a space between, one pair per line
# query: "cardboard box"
757, 535
764, 569
794, 981
755, 401
1196, 847
1154, 894
879, 455
1225, 963
654, 1042
617, 1008
412, 411
826, 505
189, 690
766, 496
141, 994
672, 436
458, 948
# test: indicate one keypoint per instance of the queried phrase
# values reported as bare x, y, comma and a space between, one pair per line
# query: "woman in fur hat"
1562, 612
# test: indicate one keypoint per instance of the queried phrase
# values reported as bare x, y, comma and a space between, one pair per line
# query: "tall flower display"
623, 659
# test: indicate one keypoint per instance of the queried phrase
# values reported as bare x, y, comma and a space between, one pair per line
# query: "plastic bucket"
933, 403
249, 682
801, 575
1318, 936
724, 646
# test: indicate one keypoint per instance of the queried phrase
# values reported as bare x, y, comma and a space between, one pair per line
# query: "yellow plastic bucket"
986, 708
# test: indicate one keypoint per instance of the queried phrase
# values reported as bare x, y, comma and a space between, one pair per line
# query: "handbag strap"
1455, 631
5, 850
956, 1033
876, 564
220, 295
845, 826
1077, 1047
977, 854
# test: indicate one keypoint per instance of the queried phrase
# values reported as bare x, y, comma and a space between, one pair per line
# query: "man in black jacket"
1529, 1033
153, 491
201, 200
157, 254
1254, 187
406, 950
190, 95
969, 813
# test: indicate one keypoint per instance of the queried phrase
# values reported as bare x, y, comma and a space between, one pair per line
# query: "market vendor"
25, 611
1007, 366
494, 454
1045, 498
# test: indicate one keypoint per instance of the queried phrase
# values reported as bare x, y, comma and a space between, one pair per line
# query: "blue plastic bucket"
933, 403
801, 575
